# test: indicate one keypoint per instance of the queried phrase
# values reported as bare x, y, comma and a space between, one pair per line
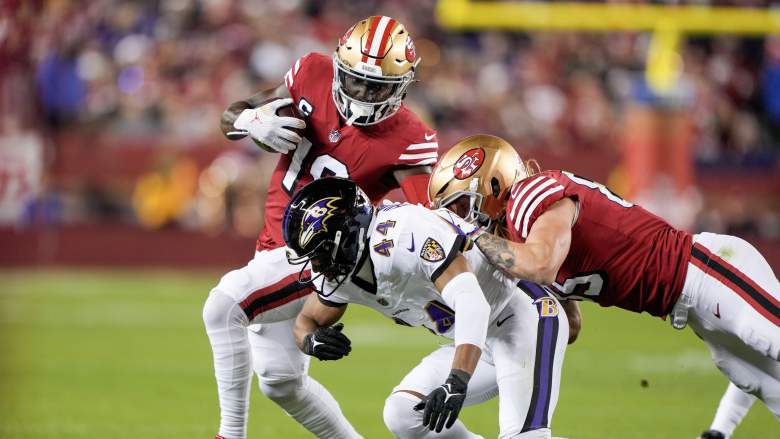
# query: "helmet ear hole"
495, 187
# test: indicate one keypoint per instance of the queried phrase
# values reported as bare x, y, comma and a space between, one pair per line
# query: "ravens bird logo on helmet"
326, 225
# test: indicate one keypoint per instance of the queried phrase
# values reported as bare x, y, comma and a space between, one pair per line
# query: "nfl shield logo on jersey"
334, 136
432, 251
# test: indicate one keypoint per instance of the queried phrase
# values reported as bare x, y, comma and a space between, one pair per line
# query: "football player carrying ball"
352, 123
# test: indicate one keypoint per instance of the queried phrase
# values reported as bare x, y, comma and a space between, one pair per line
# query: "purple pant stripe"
546, 341
545, 375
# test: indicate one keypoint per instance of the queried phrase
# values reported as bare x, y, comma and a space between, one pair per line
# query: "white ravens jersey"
409, 247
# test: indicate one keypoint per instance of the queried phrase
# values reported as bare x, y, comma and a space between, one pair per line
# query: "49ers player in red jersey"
588, 243
356, 127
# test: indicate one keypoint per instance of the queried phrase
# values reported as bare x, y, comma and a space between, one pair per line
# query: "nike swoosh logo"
501, 322
717, 311
411, 249
430, 136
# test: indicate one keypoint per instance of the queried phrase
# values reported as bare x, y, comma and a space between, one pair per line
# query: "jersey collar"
363, 276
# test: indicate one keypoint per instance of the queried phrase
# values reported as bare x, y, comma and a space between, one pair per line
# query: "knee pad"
399, 415
282, 391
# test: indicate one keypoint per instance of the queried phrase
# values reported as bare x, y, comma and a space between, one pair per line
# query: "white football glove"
265, 127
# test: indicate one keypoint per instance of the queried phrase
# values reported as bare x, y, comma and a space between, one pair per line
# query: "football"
288, 111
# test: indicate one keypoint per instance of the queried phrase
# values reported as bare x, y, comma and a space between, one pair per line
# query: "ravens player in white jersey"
418, 267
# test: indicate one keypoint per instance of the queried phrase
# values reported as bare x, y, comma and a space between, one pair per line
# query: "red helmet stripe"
373, 24
383, 41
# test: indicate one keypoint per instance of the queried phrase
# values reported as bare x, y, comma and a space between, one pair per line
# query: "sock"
226, 329
309, 403
733, 407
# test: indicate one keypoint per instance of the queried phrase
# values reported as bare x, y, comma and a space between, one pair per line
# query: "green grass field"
122, 354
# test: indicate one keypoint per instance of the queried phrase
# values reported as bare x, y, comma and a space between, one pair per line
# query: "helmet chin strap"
357, 111
361, 246
336, 242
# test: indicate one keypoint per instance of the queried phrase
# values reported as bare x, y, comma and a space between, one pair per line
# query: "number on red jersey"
324, 165
611, 196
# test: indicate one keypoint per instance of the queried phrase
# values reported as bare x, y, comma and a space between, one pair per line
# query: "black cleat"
712, 434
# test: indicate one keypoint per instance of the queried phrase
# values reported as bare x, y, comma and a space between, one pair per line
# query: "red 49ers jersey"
620, 255
367, 155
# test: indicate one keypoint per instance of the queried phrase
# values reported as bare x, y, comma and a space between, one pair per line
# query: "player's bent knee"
282, 391
399, 415
540, 433
216, 310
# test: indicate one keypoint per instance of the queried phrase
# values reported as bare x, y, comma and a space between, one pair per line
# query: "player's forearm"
525, 261
466, 358
315, 315
304, 325
572, 309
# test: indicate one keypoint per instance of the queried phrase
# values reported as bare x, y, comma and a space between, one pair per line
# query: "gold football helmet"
372, 67
474, 177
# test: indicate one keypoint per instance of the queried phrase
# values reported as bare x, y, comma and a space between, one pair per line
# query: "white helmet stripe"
379, 36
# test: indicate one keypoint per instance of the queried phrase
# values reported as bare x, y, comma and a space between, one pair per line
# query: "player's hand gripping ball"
327, 343
275, 126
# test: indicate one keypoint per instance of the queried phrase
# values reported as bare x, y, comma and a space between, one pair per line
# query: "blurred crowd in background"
154, 76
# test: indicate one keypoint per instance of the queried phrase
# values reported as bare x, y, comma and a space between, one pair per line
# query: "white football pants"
733, 407
522, 361
732, 299
265, 294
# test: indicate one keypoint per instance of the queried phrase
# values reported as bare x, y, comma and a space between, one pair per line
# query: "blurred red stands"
118, 163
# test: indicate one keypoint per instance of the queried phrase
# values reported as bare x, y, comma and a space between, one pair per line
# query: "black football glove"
445, 401
327, 343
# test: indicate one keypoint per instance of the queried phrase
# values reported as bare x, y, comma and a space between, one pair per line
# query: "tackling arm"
232, 112
540, 257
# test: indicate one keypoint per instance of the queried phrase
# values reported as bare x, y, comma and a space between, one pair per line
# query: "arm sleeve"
528, 199
330, 301
472, 310
330, 298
